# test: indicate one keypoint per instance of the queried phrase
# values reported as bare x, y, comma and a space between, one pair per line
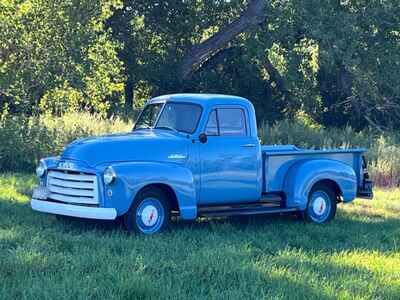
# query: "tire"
149, 213
322, 202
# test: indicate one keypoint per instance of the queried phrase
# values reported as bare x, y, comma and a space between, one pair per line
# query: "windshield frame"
164, 103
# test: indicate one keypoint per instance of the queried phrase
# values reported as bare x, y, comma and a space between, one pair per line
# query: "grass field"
357, 256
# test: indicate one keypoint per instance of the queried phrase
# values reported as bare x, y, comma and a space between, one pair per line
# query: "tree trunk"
254, 15
128, 97
276, 77
281, 85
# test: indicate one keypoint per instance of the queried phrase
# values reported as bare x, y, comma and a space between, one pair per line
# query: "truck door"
229, 158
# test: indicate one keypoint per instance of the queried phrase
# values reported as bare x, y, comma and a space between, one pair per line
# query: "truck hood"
154, 145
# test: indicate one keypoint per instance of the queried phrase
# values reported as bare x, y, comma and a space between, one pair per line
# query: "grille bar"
72, 187
71, 192
69, 199
64, 183
74, 177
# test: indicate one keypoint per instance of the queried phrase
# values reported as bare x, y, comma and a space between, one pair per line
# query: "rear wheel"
322, 203
149, 213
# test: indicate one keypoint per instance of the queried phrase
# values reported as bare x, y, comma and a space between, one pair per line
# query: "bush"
27, 139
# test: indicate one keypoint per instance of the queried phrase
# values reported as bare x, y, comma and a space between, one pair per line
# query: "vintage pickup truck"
195, 155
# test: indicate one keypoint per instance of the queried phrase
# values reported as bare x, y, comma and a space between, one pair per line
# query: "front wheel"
321, 206
149, 213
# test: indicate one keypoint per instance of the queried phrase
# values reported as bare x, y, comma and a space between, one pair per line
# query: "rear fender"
133, 176
303, 175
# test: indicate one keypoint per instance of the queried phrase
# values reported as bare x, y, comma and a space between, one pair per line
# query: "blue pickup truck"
195, 155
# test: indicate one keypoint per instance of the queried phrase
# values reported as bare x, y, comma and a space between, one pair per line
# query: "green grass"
357, 256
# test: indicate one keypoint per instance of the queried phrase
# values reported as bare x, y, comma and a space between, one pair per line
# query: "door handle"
248, 145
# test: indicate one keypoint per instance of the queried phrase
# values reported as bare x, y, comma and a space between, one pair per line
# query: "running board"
272, 197
255, 209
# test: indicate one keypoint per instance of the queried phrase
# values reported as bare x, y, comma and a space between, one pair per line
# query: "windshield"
148, 117
181, 117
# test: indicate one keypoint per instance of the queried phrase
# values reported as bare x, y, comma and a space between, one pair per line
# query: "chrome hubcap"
149, 215
319, 206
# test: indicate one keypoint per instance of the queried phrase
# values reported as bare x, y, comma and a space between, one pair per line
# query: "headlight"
41, 169
109, 175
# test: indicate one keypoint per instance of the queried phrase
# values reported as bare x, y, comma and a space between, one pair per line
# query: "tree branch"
275, 76
280, 83
254, 15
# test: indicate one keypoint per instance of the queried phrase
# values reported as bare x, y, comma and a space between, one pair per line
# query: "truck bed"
278, 159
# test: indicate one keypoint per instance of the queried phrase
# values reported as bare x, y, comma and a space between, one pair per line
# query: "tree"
336, 62
57, 56
353, 77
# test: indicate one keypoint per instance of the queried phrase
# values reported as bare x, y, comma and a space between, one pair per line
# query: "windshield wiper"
141, 127
168, 128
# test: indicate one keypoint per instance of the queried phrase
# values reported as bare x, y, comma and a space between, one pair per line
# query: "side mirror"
203, 138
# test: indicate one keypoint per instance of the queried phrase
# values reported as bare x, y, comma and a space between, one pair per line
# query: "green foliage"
56, 56
357, 80
339, 60
354, 257
25, 140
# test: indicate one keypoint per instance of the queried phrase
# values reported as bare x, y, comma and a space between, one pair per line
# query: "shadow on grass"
346, 232
225, 258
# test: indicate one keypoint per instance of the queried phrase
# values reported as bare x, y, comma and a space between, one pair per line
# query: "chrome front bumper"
79, 211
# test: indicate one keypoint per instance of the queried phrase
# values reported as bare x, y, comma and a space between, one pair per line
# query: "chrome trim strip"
72, 199
76, 177
71, 192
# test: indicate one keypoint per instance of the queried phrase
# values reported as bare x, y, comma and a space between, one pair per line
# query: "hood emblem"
66, 165
176, 156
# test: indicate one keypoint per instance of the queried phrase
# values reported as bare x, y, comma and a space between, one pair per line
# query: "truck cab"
195, 155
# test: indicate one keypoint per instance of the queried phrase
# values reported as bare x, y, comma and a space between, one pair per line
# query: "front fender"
302, 176
133, 176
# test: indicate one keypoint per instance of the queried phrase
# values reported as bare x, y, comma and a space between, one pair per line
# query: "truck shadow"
347, 232
264, 255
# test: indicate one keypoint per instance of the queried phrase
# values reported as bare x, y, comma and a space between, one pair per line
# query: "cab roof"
202, 99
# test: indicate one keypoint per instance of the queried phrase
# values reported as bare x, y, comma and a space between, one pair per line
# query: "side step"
272, 197
262, 207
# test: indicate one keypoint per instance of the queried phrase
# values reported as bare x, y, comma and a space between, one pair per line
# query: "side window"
212, 124
232, 121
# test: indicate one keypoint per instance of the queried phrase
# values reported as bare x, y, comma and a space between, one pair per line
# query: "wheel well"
167, 190
332, 185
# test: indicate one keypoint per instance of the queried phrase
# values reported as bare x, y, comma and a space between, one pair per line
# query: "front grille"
72, 187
